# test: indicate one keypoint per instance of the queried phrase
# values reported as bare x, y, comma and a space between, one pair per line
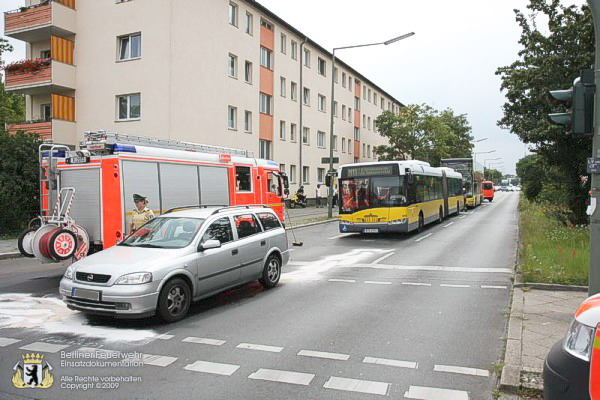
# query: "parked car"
567, 366
177, 258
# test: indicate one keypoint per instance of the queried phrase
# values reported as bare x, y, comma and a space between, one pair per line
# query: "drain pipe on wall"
300, 101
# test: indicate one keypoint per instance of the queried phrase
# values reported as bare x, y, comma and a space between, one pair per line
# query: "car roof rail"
246, 206
170, 210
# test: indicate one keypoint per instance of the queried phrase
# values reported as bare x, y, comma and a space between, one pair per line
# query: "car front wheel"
174, 300
271, 272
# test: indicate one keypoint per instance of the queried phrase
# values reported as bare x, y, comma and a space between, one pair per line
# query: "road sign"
593, 166
325, 160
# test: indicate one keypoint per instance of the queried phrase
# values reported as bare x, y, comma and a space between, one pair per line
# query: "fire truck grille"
96, 278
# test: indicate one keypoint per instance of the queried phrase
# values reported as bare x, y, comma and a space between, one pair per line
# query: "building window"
320, 175
266, 58
293, 132
248, 121
282, 130
350, 83
364, 92
249, 23
231, 117
350, 114
349, 146
369, 150
282, 87
45, 54
266, 104
294, 50
321, 139
266, 24
305, 175
283, 43
364, 121
375, 99
335, 109
306, 96
335, 140
369, 123
307, 58
389, 105
356, 134
369, 95
321, 103
305, 135
322, 66
233, 14
294, 91
130, 46
343, 145
292, 174
282, 168
343, 79
357, 103
129, 107
46, 111
232, 66
343, 112
248, 72
375, 152
265, 149
364, 154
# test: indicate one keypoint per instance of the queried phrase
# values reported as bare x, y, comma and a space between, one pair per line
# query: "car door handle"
263, 242
234, 252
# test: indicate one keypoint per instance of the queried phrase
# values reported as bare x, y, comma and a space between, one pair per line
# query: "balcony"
39, 76
38, 22
57, 130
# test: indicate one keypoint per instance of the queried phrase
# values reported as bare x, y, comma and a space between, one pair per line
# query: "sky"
448, 63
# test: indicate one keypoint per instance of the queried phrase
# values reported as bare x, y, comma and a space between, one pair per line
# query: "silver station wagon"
177, 258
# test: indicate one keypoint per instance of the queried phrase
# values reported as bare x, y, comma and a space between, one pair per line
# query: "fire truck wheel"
62, 244
271, 272
174, 300
24, 242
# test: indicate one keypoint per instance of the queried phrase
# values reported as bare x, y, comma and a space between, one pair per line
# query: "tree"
493, 175
532, 171
548, 61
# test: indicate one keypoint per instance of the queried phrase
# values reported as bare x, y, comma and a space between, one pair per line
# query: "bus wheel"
421, 223
441, 217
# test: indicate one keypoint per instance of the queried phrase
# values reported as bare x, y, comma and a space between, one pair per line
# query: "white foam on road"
43, 347
390, 363
429, 393
461, 370
212, 368
356, 385
323, 354
260, 347
211, 342
273, 375
383, 257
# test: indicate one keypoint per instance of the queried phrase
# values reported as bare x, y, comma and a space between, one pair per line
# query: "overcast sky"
450, 62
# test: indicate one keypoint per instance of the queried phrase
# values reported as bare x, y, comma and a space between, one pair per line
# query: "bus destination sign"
370, 170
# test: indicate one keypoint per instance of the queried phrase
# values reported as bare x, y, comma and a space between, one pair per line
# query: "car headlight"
69, 272
134, 279
578, 341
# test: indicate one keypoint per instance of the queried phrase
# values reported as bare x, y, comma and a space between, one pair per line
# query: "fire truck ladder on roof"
49, 174
125, 138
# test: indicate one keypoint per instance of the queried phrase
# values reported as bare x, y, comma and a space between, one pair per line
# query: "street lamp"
479, 140
480, 152
330, 172
497, 164
490, 159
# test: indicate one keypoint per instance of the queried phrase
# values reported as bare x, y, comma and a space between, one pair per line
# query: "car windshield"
165, 233
488, 186
363, 193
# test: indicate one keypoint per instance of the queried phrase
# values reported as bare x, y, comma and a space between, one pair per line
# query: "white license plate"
86, 294
370, 230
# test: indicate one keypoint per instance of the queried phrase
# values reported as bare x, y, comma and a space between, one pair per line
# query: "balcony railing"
52, 129
37, 22
37, 76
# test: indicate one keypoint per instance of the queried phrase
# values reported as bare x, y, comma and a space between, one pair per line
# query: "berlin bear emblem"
32, 372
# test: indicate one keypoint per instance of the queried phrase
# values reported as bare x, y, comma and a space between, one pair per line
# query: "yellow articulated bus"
472, 173
396, 196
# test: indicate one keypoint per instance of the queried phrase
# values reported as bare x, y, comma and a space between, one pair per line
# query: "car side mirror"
209, 244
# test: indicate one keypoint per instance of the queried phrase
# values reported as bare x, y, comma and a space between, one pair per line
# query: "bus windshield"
372, 192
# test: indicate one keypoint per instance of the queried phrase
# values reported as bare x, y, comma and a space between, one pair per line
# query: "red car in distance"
488, 190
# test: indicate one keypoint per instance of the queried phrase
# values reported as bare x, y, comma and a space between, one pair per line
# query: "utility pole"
594, 274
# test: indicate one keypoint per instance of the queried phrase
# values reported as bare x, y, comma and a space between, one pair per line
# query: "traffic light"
579, 101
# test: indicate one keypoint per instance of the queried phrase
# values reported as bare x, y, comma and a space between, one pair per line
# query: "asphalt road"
417, 316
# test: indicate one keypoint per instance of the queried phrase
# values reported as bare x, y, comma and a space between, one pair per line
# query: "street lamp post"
480, 152
498, 164
490, 159
330, 172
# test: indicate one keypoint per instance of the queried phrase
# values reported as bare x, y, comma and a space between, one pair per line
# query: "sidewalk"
8, 249
539, 318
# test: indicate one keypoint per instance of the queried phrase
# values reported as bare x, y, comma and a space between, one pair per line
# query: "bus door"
445, 192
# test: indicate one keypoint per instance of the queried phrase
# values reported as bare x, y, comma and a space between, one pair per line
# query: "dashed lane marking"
378, 283
295, 378
474, 270
454, 286
461, 370
416, 284
165, 337
429, 393
355, 385
259, 347
212, 342
423, 237
4, 341
44, 347
343, 280
212, 368
158, 361
323, 354
383, 257
391, 363
463, 217
448, 224
493, 287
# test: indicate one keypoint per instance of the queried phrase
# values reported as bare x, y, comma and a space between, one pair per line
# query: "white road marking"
341, 235
355, 385
383, 257
429, 393
298, 262
378, 283
4, 341
158, 361
493, 287
416, 284
463, 217
391, 363
343, 280
454, 286
165, 337
44, 347
448, 224
423, 237
461, 370
212, 342
322, 354
430, 268
260, 347
212, 368
295, 378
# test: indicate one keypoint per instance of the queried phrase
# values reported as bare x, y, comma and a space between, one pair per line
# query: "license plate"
78, 160
370, 230
86, 294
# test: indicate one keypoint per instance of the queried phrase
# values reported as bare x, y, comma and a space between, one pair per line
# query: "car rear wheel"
174, 300
271, 272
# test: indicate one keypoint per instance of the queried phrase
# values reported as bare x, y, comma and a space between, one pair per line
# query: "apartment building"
219, 72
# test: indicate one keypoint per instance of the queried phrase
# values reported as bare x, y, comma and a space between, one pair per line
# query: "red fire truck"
86, 195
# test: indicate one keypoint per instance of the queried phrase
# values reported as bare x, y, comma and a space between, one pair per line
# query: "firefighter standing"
141, 214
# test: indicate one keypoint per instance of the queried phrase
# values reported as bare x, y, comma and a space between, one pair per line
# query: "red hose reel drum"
59, 244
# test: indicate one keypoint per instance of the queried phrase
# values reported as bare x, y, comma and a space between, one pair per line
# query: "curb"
551, 286
7, 256
310, 224
510, 379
